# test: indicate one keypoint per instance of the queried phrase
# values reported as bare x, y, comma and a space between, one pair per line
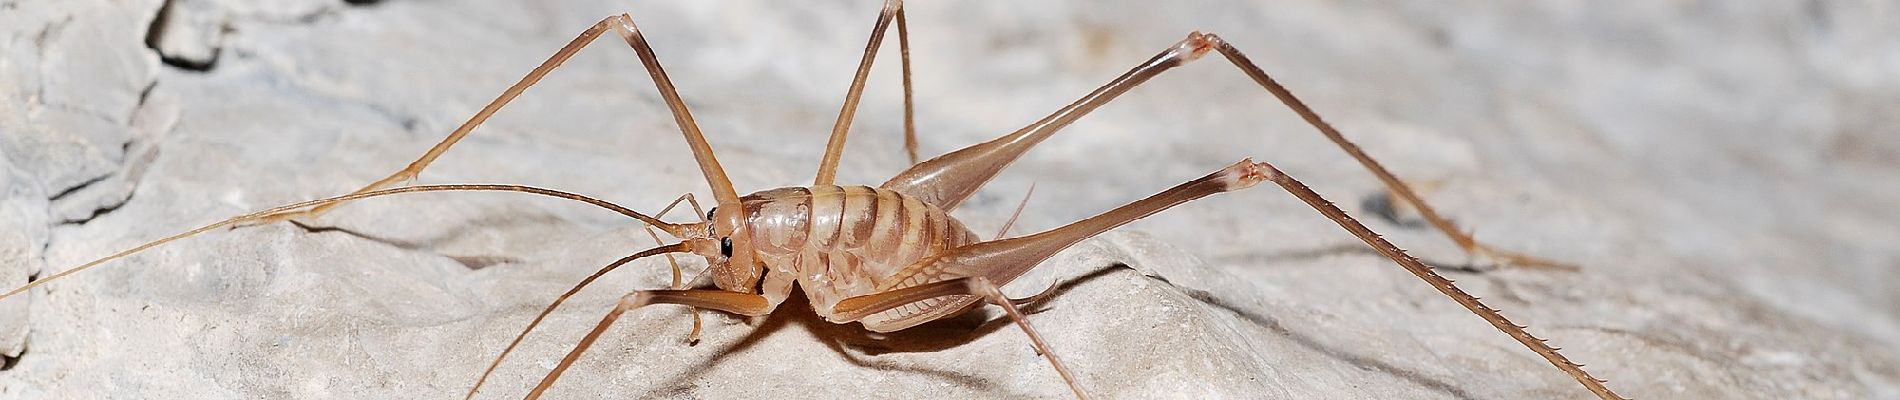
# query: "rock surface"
1722, 172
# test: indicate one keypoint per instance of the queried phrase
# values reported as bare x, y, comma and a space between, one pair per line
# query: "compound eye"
725, 246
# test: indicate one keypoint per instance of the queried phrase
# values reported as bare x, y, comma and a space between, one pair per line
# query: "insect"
890, 256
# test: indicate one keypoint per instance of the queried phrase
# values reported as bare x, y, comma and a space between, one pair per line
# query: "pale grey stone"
23, 217
1718, 172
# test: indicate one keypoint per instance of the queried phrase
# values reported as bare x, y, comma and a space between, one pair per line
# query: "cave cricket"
890, 256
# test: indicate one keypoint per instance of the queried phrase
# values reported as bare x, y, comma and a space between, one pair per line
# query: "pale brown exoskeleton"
890, 256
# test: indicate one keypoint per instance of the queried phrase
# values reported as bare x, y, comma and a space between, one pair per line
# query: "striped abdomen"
842, 241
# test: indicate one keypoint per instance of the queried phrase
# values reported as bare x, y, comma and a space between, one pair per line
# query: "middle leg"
834, 147
972, 287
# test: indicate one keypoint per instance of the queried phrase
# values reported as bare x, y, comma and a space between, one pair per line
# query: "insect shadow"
861, 347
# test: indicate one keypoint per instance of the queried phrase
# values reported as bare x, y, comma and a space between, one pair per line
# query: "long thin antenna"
677, 230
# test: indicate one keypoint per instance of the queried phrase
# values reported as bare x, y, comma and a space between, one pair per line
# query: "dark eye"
725, 246
710, 211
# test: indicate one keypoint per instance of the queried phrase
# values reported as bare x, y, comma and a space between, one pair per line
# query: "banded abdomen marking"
842, 241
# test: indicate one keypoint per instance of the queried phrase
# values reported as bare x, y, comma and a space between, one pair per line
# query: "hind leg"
947, 180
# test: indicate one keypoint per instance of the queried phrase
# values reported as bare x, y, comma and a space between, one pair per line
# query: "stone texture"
1717, 169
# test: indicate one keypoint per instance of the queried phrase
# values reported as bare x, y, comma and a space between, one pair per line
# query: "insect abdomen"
841, 241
